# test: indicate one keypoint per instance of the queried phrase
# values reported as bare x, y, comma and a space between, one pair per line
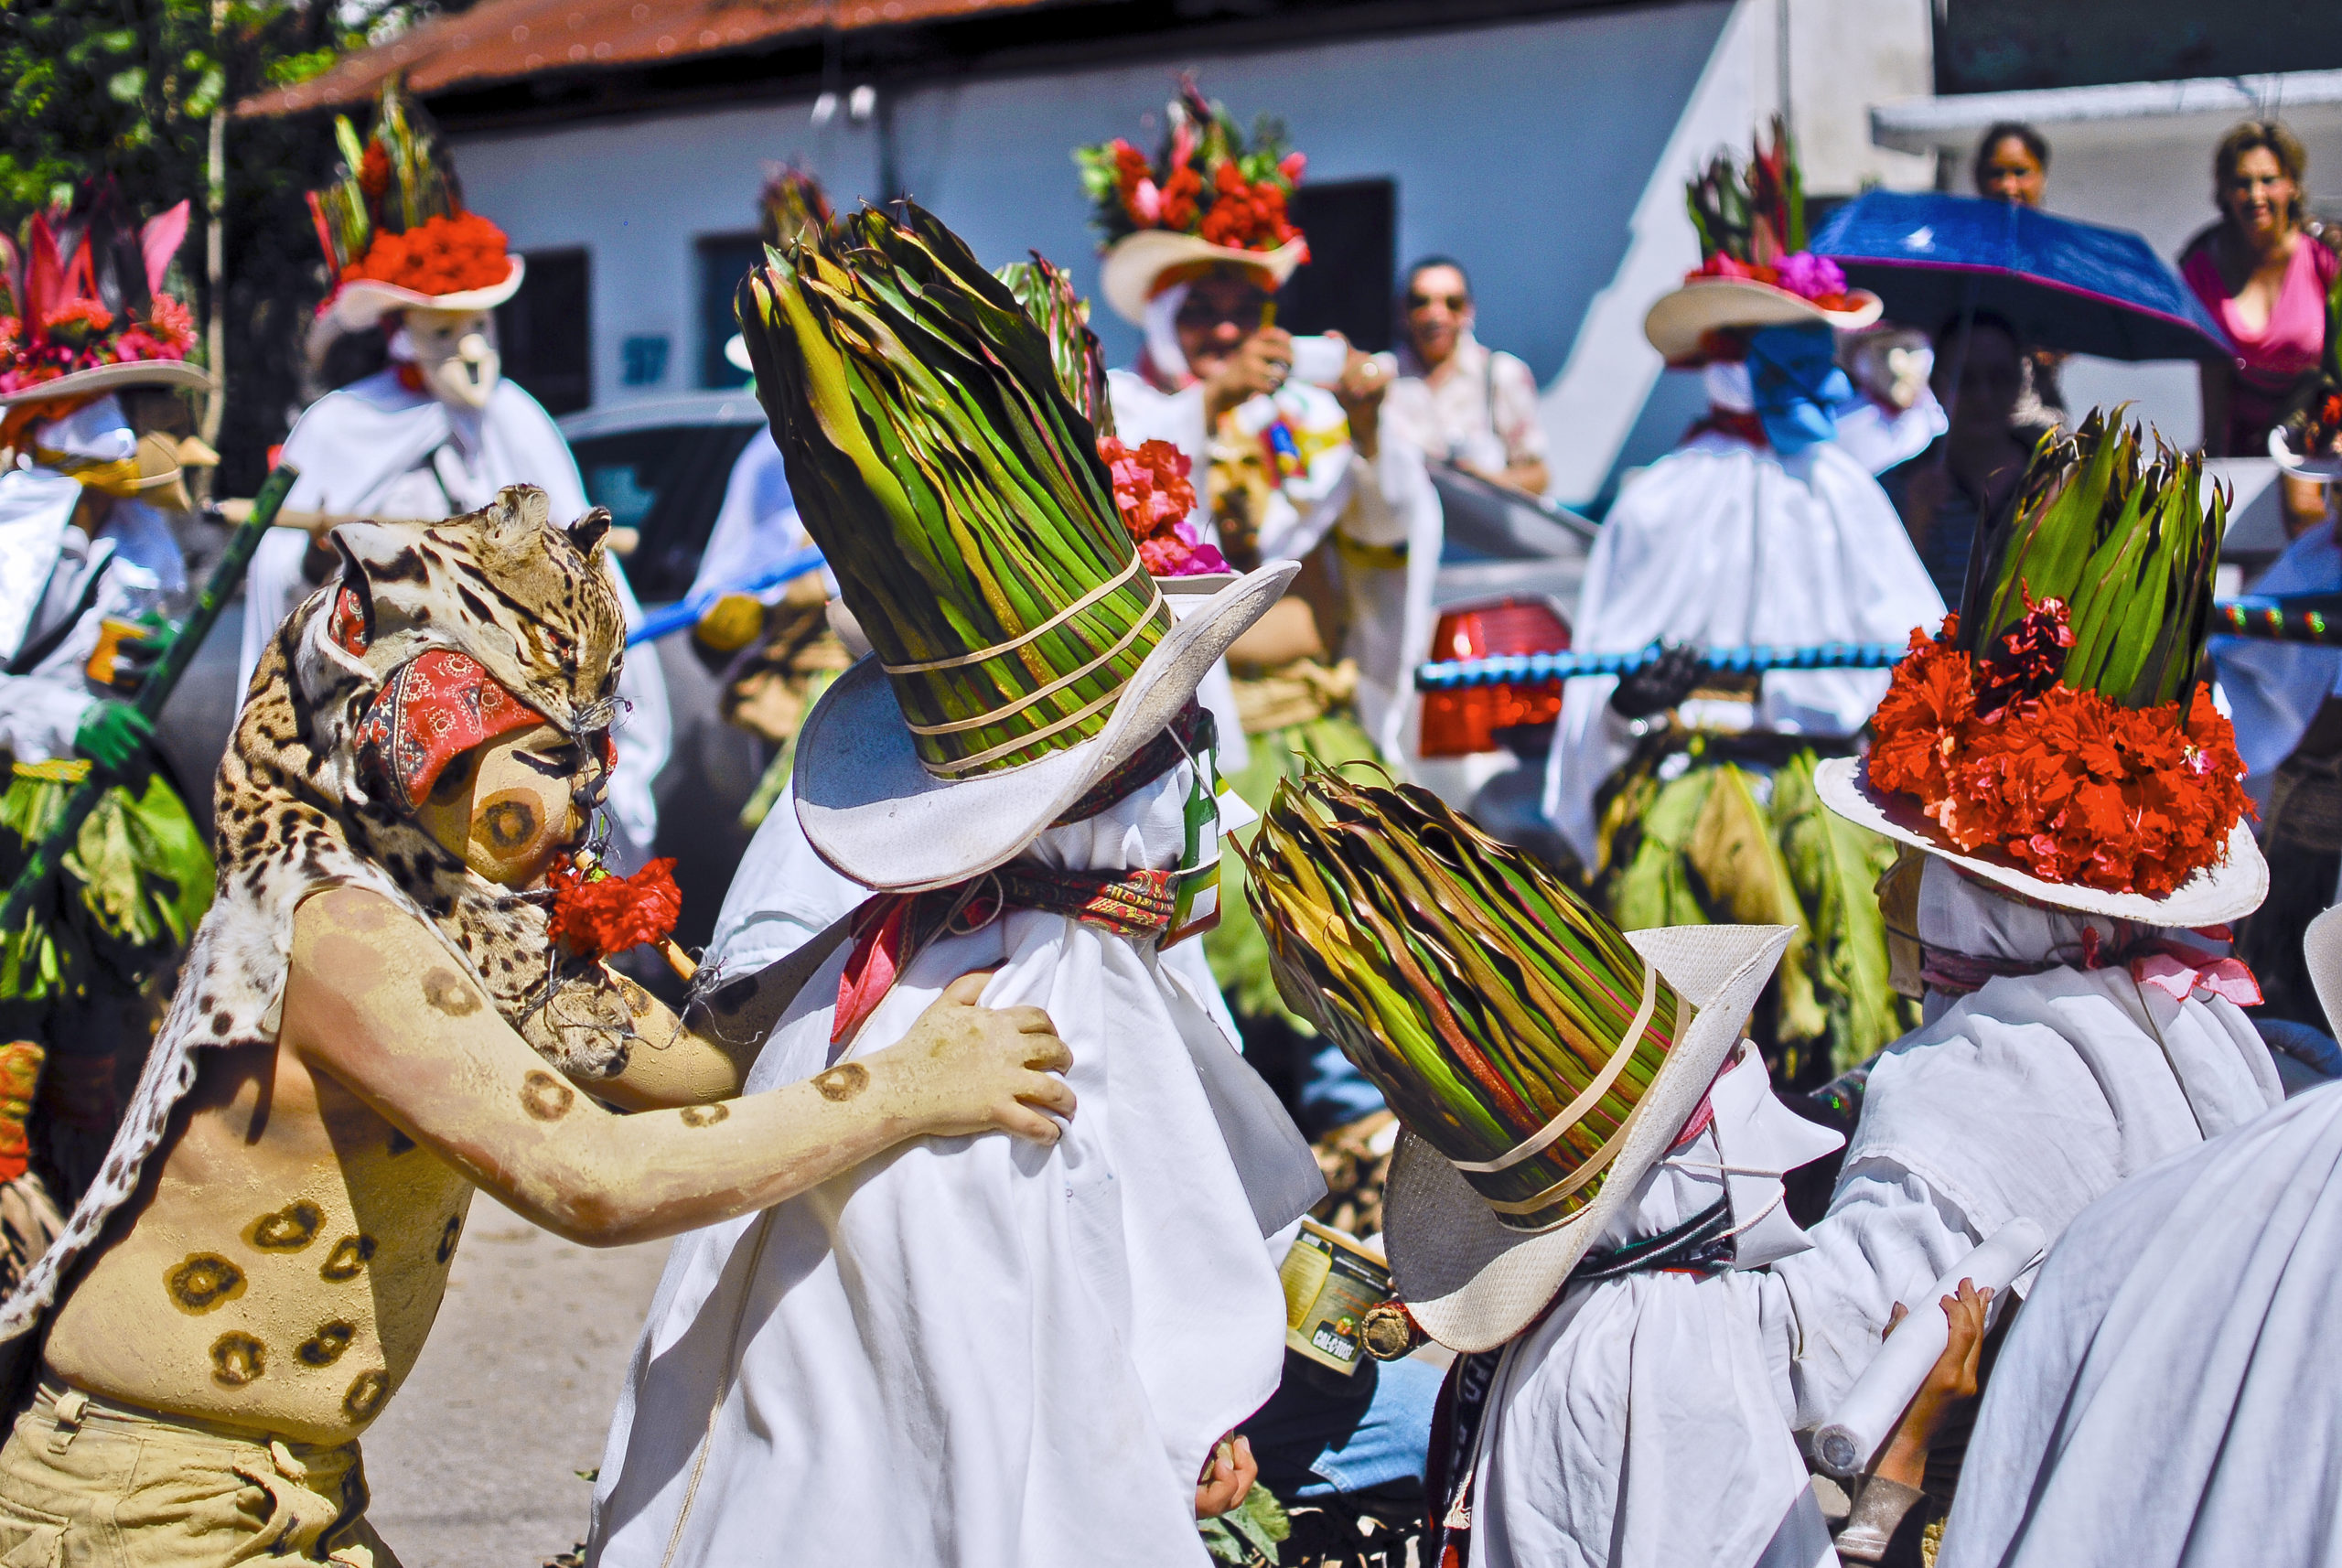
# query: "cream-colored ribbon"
1542, 1139
1014, 643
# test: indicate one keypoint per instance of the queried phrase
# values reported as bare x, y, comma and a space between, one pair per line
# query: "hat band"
959, 659
1010, 710
1539, 1141
1569, 1185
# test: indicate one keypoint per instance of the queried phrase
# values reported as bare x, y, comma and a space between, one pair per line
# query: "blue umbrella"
2063, 285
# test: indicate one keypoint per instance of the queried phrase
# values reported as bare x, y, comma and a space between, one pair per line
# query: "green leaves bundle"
1483, 997
2127, 541
1063, 316
956, 493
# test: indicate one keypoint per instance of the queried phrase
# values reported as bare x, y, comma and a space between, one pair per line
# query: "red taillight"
1461, 722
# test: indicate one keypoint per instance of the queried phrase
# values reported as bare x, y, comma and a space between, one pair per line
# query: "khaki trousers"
86, 1483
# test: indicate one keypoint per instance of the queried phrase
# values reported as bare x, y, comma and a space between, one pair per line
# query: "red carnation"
594, 916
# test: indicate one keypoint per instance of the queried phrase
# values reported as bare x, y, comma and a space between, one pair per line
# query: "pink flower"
1291, 166
1146, 202
1810, 276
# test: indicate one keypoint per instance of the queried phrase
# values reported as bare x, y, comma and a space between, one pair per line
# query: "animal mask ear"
588, 532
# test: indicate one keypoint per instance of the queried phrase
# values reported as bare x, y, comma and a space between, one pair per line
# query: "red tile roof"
502, 39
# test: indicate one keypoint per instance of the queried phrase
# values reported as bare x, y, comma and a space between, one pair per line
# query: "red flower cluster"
374, 171
595, 914
81, 334
440, 255
1246, 215
2066, 785
1808, 277
1155, 497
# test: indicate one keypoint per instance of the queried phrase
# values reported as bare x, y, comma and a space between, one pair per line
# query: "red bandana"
430, 712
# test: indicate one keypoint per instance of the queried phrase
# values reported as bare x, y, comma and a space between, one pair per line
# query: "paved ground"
475, 1464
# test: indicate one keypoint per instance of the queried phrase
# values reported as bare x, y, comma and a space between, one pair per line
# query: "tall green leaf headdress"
1021, 651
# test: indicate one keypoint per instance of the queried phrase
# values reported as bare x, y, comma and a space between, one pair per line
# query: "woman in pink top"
2264, 281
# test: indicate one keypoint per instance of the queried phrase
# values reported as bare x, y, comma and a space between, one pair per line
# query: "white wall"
1523, 149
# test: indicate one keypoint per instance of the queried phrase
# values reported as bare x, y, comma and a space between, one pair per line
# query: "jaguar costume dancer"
376, 1018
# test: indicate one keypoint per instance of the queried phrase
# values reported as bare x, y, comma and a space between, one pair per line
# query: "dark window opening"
1350, 280
546, 333
724, 260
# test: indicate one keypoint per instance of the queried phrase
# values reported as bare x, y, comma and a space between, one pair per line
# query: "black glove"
1659, 685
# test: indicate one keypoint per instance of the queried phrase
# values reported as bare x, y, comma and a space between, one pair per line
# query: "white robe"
2034, 1095
1390, 503
1646, 1423
2168, 1397
1724, 545
375, 449
973, 1351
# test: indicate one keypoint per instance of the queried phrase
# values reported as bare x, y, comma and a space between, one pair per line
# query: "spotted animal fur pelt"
296, 814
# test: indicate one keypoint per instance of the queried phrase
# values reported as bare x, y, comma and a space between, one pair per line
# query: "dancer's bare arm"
373, 1000
705, 1056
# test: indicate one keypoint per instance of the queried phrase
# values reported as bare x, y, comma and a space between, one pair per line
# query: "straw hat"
2228, 891
2322, 947
872, 810
1473, 1281
363, 303
1679, 322
2324, 469
1135, 261
113, 378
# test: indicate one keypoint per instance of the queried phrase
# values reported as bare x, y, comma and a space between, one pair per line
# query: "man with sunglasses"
1455, 397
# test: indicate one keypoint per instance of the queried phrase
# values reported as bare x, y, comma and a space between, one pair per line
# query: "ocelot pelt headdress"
300, 807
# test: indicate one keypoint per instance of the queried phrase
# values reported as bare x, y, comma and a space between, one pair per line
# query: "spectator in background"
2013, 166
2264, 280
1965, 479
1454, 398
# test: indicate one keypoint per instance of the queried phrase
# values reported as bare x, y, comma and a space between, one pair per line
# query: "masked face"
509, 807
455, 350
1759, 1140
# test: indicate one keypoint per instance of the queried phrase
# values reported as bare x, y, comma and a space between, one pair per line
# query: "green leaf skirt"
131, 892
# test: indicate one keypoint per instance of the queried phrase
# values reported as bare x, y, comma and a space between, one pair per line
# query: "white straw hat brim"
363, 303
1473, 1281
1135, 261
2300, 468
2214, 895
1676, 325
110, 378
870, 809
2322, 950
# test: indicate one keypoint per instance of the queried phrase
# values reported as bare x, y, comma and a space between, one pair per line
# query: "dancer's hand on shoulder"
964, 1068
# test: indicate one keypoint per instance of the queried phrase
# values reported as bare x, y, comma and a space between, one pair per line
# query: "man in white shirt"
1454, 398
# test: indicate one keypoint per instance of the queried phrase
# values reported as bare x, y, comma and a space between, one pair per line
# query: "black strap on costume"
1188, 735
1702, 1245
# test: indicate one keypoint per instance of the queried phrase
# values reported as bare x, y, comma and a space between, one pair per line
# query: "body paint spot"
447, 1234
348, 1259
365, 1395
288, 1229
511, 824
204, 1281
446, 990
705, 1115
323, 1347
843, 1082
237, 1359
545, 1097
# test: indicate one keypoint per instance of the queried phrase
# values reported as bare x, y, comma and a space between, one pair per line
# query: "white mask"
1758, 1140
455, 350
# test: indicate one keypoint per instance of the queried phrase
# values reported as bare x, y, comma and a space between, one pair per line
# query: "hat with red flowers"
1754, 269
87, 310
2053, 738
394, 230
1210, 200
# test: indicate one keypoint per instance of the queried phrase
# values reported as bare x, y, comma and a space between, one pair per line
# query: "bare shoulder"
367, 974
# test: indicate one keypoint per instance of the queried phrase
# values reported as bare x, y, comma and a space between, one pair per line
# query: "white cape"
375, 449
973, 1351
2033, 1096
1723, 545
1646, 1423
2168, 1397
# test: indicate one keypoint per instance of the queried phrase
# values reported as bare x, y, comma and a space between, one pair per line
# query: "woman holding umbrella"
2264, 280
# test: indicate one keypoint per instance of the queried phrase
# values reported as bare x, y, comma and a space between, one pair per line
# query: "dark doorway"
724, 260
1350, 282
545, 332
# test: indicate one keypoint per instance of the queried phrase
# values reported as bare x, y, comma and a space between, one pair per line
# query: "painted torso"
279, 1269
